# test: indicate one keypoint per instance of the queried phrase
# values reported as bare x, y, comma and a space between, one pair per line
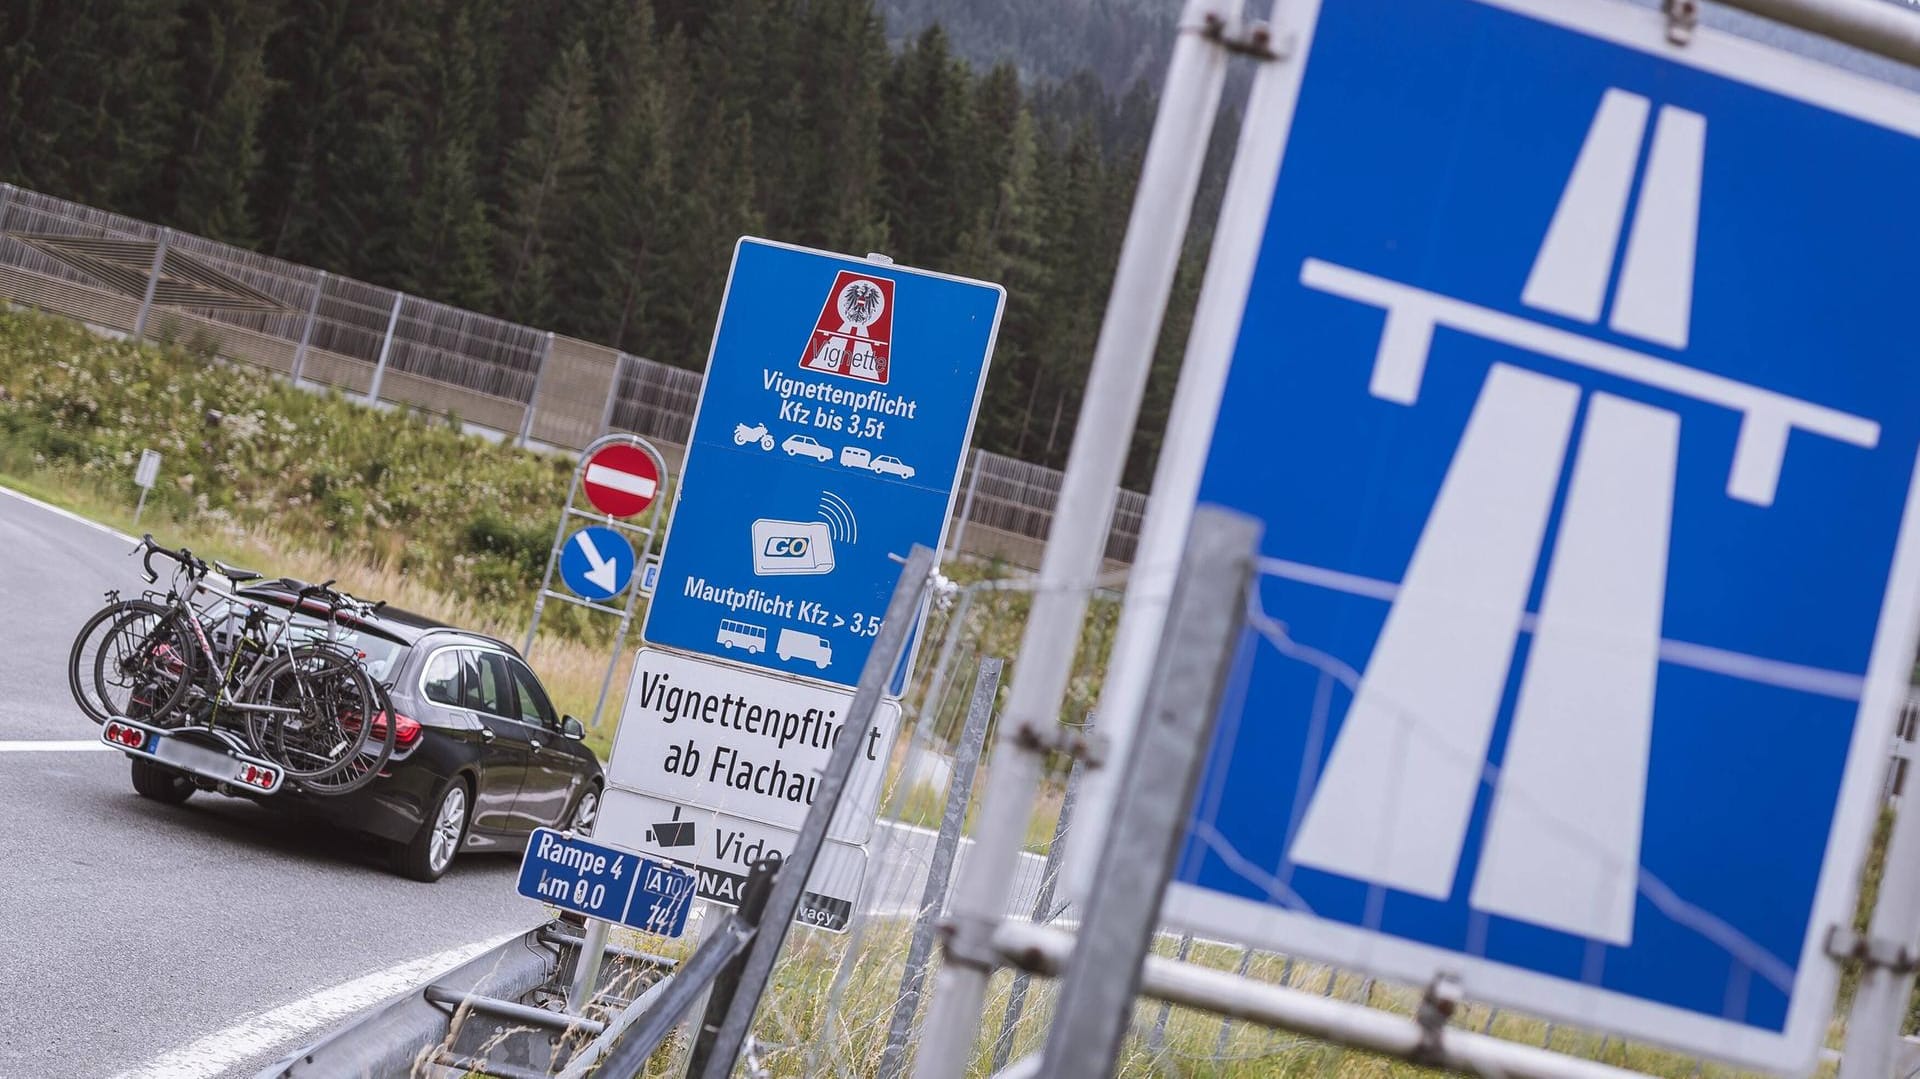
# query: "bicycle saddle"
235, 573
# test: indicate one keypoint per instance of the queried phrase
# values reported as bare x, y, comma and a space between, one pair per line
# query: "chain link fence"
126, 276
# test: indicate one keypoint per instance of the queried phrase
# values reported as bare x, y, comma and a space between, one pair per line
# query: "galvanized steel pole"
1886, 29
386, 346
1169, 178
1159, 777
966, 758
153, 286
533, 399
306, 331
792, 881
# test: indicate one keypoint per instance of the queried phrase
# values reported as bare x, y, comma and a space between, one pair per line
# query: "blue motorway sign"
1574, 385
597, 562
838, 403
601, 882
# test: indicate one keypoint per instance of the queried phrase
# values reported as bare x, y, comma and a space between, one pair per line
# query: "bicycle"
305, 706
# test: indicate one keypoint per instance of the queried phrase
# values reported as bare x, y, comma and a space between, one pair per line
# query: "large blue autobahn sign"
829, 439
1573, 377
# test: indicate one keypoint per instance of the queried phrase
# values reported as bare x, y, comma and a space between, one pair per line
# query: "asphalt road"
129, 928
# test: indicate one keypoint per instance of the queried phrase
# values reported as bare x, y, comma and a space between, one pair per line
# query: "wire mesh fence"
368, 340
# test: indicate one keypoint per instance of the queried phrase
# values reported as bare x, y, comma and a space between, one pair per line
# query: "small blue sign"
829, 439
650, 576
612, 885
1573, 384
597, 563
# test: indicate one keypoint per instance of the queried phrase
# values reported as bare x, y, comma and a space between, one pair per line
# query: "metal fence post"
386, 346
966, 759
306, 331
6, 203
966, 509
153, 286
533, 399
1157, 1038
1043, 913
613, 392
792, 881
1156, 788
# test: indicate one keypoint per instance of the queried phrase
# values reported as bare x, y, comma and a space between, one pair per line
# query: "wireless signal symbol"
839, 517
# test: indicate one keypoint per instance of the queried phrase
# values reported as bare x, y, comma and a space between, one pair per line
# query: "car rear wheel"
427, 855
160, 783
586, 812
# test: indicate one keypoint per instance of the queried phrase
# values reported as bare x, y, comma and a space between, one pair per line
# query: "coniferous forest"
585, 165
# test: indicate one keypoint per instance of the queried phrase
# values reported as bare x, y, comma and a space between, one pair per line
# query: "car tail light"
406, 729
122, 734
255, 776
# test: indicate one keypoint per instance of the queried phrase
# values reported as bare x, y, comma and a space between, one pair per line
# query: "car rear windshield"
378, 653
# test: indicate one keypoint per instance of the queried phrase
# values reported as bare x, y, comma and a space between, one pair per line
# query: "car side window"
535, 709
483, 683
441, 679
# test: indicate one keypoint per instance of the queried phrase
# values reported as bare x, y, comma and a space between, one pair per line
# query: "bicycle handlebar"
194, 567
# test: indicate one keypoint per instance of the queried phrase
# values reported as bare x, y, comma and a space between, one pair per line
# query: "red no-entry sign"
620, 480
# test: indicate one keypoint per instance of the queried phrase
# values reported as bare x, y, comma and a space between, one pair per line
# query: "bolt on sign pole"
1169, 178
1149, 822
792, 881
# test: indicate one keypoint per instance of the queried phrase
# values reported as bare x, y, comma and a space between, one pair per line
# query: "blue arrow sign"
601, 882
1572, 378
829, 439
597, 563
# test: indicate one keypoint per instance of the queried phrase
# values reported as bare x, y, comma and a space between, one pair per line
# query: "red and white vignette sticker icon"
854, 333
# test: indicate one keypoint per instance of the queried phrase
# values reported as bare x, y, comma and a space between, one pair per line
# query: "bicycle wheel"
364, 767
145, 665
320, 699
86, 647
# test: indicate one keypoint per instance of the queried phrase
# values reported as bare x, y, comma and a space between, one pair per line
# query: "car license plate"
196, 759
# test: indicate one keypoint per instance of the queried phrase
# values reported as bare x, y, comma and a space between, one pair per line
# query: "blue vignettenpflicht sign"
1575, 387
838, 403
612, 885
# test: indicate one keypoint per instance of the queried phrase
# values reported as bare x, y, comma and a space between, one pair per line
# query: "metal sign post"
144, 474
755, 976
1597, 491
598, 562
1103, 977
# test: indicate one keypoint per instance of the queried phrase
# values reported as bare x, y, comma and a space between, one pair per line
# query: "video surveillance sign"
832, 428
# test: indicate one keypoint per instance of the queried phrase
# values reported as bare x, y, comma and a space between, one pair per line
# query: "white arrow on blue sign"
1570, 372
597, 563
601, 882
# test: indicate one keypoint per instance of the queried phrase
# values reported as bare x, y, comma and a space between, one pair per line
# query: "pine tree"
546, 173
449, 241
630, 209
221, 154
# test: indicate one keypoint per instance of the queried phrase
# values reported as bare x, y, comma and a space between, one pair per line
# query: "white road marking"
68, 514
54, 747
215, 1053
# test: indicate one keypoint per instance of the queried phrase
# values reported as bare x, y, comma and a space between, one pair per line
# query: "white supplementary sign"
749, 744
721, 849
147, 470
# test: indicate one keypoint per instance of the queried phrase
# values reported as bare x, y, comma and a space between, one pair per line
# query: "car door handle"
486, 734
536, 743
